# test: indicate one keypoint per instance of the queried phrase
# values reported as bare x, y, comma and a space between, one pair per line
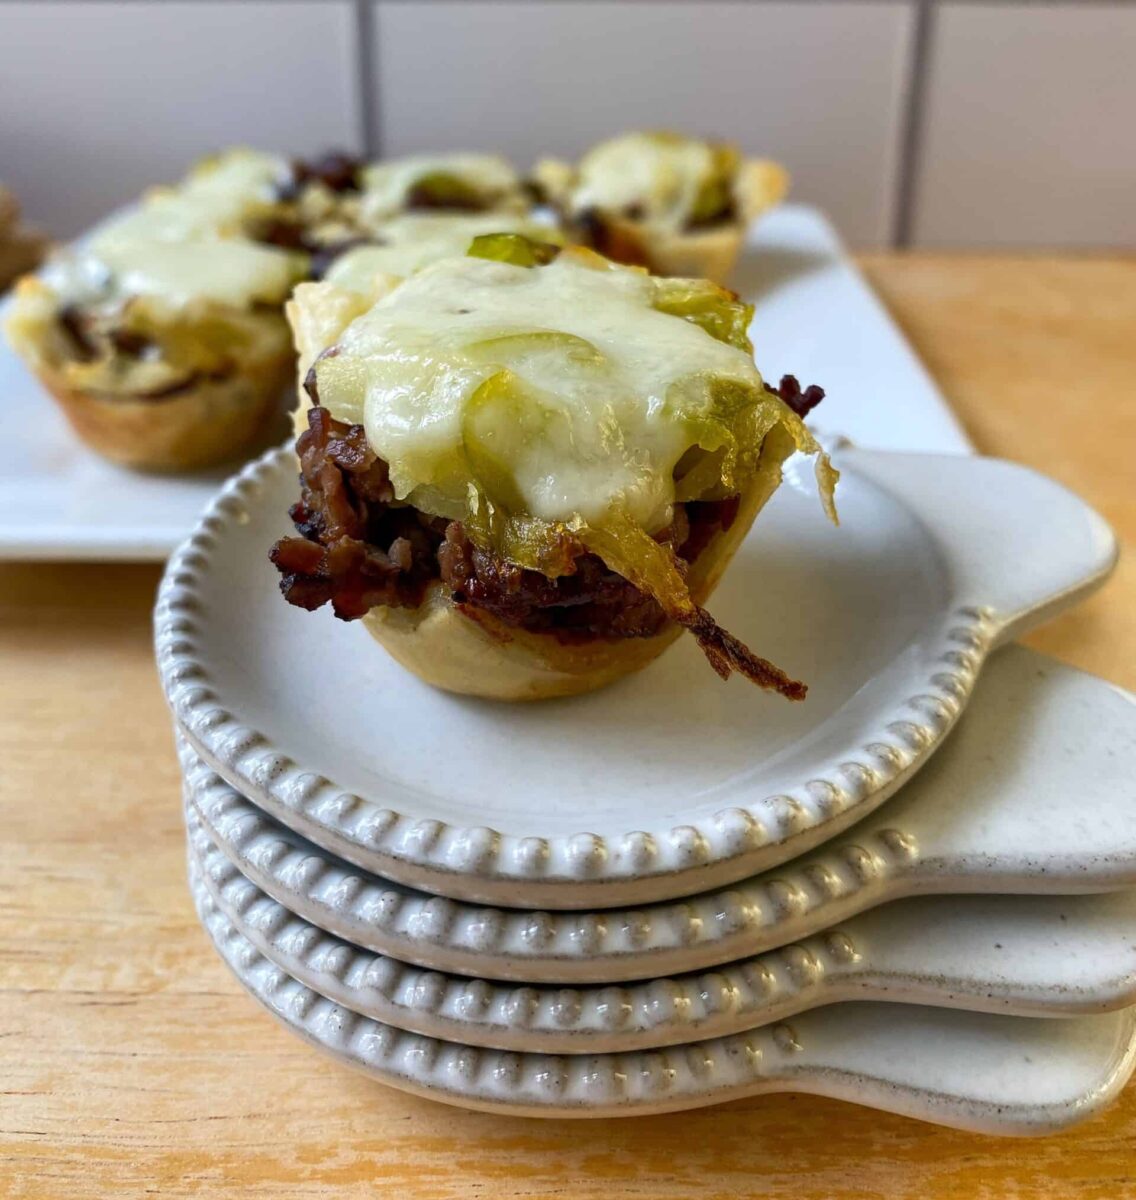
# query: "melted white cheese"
227, 270
660, 175
237, 173
184, 243
386, 185
413, 242
214, 199
563, 378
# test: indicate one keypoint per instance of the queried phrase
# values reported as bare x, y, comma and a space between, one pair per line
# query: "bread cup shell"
210, 422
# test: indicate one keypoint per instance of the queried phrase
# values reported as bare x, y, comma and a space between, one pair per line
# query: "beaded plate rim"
692, 1075
829, 967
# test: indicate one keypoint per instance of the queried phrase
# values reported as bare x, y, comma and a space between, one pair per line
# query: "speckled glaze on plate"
666, 783
1003, 808
992, 1074
1037, 956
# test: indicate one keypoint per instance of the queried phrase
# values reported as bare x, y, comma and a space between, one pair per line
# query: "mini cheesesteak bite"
162, 336
675, 204
525, 469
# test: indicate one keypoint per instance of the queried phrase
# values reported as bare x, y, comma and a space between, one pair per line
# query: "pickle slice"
498, 419
715, 198
534, 348
513, 248
718, 311
440, 189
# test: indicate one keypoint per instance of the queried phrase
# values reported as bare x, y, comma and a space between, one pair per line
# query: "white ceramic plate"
666, 783
1028, 956
59, 501
993, 1074
1035, 793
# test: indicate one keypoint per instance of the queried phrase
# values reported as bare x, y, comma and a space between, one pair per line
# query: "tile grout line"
366, 81
913, 122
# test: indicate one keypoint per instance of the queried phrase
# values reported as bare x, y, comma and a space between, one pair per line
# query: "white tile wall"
1026, 138
818, 85
97, 100
1030, 134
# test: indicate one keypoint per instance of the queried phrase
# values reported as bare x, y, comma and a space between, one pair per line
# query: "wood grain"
1038, 358
130, 1062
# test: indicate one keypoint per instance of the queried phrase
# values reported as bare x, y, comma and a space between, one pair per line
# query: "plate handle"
1015, 542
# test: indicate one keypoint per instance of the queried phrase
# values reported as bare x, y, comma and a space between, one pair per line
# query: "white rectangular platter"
815, 317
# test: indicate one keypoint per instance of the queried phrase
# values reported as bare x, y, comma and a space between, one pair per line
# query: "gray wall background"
935, 123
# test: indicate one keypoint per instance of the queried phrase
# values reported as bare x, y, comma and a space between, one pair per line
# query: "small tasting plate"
664, 784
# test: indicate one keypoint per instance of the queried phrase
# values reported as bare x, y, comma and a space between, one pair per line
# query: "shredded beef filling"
357, 548
76, 324
360, 548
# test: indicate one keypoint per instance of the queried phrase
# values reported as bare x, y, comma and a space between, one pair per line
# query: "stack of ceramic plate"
678, 891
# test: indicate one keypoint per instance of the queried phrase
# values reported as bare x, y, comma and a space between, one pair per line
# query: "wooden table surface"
132, 1064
